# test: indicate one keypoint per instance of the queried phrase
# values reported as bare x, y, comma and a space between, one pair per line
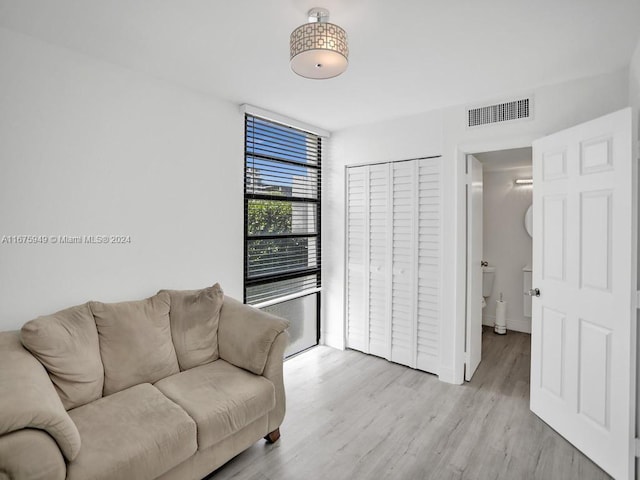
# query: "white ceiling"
406, 56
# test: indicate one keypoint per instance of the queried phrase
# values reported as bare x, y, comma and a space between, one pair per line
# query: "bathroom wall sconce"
524, 181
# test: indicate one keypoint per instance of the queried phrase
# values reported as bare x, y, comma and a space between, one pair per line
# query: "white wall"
506, 244
634, 86
444, 132
89, 148
634, 101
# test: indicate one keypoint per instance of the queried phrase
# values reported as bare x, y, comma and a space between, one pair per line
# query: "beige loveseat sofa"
169, 387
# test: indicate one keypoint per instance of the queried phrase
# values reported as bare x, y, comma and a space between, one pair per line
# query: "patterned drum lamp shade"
319, 49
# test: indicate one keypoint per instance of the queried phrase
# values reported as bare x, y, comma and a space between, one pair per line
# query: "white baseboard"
332, 340
447, 375
516, 324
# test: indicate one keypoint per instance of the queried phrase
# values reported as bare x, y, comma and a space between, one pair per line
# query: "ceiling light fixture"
319, 49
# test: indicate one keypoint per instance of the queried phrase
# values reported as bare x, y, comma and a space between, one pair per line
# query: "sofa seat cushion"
135, 433
221, 398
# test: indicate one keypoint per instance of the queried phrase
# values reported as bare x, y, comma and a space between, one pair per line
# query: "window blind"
282, 210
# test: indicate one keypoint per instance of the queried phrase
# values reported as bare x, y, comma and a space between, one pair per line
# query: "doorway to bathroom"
499, 194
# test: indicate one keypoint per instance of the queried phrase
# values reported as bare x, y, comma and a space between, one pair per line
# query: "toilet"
488, 274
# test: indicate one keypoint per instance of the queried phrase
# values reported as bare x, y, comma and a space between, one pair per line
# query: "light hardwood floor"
353, 416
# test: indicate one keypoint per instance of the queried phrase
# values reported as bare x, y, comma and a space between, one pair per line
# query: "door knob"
534, 292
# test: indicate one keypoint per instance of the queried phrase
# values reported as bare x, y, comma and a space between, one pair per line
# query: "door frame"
460, 155
473, 263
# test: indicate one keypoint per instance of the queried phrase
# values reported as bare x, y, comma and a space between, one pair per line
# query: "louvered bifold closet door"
403, 251
357, 258
394, 266
429, 263
379, 260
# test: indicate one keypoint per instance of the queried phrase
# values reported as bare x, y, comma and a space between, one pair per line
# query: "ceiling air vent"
500, 112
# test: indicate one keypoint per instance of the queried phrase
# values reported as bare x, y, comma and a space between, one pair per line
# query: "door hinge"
637, 305
637, 447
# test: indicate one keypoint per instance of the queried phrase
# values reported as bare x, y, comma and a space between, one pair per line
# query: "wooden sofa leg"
273, 436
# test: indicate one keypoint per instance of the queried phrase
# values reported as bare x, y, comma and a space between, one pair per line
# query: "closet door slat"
357, 227
403, 257
429, 261
378, 268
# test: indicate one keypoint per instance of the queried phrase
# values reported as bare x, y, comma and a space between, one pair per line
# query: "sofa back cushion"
66, 343
135, 342
194, 319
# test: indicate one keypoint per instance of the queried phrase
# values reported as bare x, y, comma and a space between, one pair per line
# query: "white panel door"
403, 250
583, 332
357, 258
473, 347
379, 260
429, 261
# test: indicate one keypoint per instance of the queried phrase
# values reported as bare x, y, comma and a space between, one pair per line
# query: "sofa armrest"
246, 334
28, 399
273, 371
30, 454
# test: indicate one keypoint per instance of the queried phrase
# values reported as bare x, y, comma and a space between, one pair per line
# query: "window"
282, 211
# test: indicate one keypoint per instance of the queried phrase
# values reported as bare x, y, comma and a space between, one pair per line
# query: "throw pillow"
66, 343
194, 316
135, 342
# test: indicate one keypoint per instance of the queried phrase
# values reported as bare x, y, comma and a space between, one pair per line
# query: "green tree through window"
269, 216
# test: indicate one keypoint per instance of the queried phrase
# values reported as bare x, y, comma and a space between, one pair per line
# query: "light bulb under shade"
319, 50
524, 181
